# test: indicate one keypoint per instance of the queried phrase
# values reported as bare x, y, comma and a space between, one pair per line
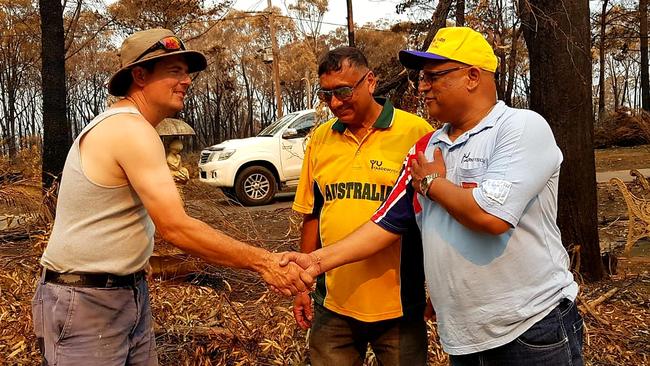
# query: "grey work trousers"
94, 326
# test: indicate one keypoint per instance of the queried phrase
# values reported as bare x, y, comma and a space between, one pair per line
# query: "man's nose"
335, 102
185, 78
423, 87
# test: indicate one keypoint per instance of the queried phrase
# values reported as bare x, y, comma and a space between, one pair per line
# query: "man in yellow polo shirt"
350, 167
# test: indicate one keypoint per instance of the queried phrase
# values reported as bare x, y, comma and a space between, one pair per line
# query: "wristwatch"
425, 183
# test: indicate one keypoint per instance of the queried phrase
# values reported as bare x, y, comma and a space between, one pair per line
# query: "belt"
102, 280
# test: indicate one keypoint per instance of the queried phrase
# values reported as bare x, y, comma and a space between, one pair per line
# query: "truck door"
292, 145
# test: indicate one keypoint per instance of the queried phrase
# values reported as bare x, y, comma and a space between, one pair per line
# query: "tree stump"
638, 210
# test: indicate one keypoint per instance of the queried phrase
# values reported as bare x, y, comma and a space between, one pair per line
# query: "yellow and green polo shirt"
343, 182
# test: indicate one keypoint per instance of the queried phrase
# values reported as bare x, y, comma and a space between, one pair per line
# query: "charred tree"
601, 61
557, 35
56, 130
643, 39
460, 13
438, 20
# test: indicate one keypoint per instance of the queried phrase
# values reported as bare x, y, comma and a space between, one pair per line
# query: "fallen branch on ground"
603, 298
196, 331
586, 307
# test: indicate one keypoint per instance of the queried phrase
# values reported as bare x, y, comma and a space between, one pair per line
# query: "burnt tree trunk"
601, 61
56, 130
557, 35
512, 64
643, 39
438, 20
460, 13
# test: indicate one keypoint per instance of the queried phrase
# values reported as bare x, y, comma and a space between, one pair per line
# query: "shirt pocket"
470, 177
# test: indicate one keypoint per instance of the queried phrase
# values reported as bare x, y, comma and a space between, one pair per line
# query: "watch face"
424, 184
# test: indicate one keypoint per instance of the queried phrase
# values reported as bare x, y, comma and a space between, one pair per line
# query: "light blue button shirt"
489, 289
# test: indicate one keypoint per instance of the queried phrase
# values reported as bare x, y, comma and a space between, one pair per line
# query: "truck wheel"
255, 186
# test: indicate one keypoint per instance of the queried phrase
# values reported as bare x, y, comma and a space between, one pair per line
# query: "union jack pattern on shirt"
402, 205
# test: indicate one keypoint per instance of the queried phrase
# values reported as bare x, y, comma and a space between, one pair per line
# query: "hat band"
171, 43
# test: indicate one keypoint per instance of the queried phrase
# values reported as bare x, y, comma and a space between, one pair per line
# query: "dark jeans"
338, 340
556, 340
94, 326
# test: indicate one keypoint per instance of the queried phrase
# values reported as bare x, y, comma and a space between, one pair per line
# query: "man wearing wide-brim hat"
91, 305
483, 191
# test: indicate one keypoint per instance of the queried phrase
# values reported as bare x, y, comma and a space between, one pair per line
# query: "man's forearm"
309, 236
203, 241
362, 243
460, 204
198, 238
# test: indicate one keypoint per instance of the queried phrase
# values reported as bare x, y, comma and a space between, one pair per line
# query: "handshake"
290, 273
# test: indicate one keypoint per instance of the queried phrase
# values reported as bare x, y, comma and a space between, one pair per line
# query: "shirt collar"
487, 122
385, 119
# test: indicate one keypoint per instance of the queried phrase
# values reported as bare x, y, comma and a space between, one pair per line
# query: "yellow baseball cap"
460, 44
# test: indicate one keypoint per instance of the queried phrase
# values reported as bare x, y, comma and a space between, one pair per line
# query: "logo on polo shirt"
377, 165
467, 158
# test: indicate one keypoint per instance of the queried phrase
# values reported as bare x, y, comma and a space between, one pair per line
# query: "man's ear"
473, 78
372, 82
138, 75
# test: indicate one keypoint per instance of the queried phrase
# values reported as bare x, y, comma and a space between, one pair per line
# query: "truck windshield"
274, 127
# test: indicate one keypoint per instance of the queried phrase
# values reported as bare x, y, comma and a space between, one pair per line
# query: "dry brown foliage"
621, 335
221, 316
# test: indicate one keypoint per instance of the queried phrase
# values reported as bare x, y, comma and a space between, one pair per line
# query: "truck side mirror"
290, 133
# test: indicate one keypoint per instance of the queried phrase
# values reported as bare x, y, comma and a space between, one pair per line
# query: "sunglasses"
430, 77
343, 93
171, 43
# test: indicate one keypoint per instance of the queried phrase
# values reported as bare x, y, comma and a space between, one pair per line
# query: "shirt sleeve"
304, 201
397, 213
525, 158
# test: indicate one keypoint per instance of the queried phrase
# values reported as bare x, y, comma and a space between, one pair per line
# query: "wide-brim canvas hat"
148, 45
460, 44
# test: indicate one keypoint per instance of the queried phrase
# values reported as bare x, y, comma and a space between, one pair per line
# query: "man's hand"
289, 279
310, 262
421, 167
302, 310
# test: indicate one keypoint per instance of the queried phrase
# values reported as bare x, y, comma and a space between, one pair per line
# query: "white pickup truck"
253, 169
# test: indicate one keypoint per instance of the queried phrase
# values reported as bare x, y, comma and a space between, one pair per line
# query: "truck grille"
205, 155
